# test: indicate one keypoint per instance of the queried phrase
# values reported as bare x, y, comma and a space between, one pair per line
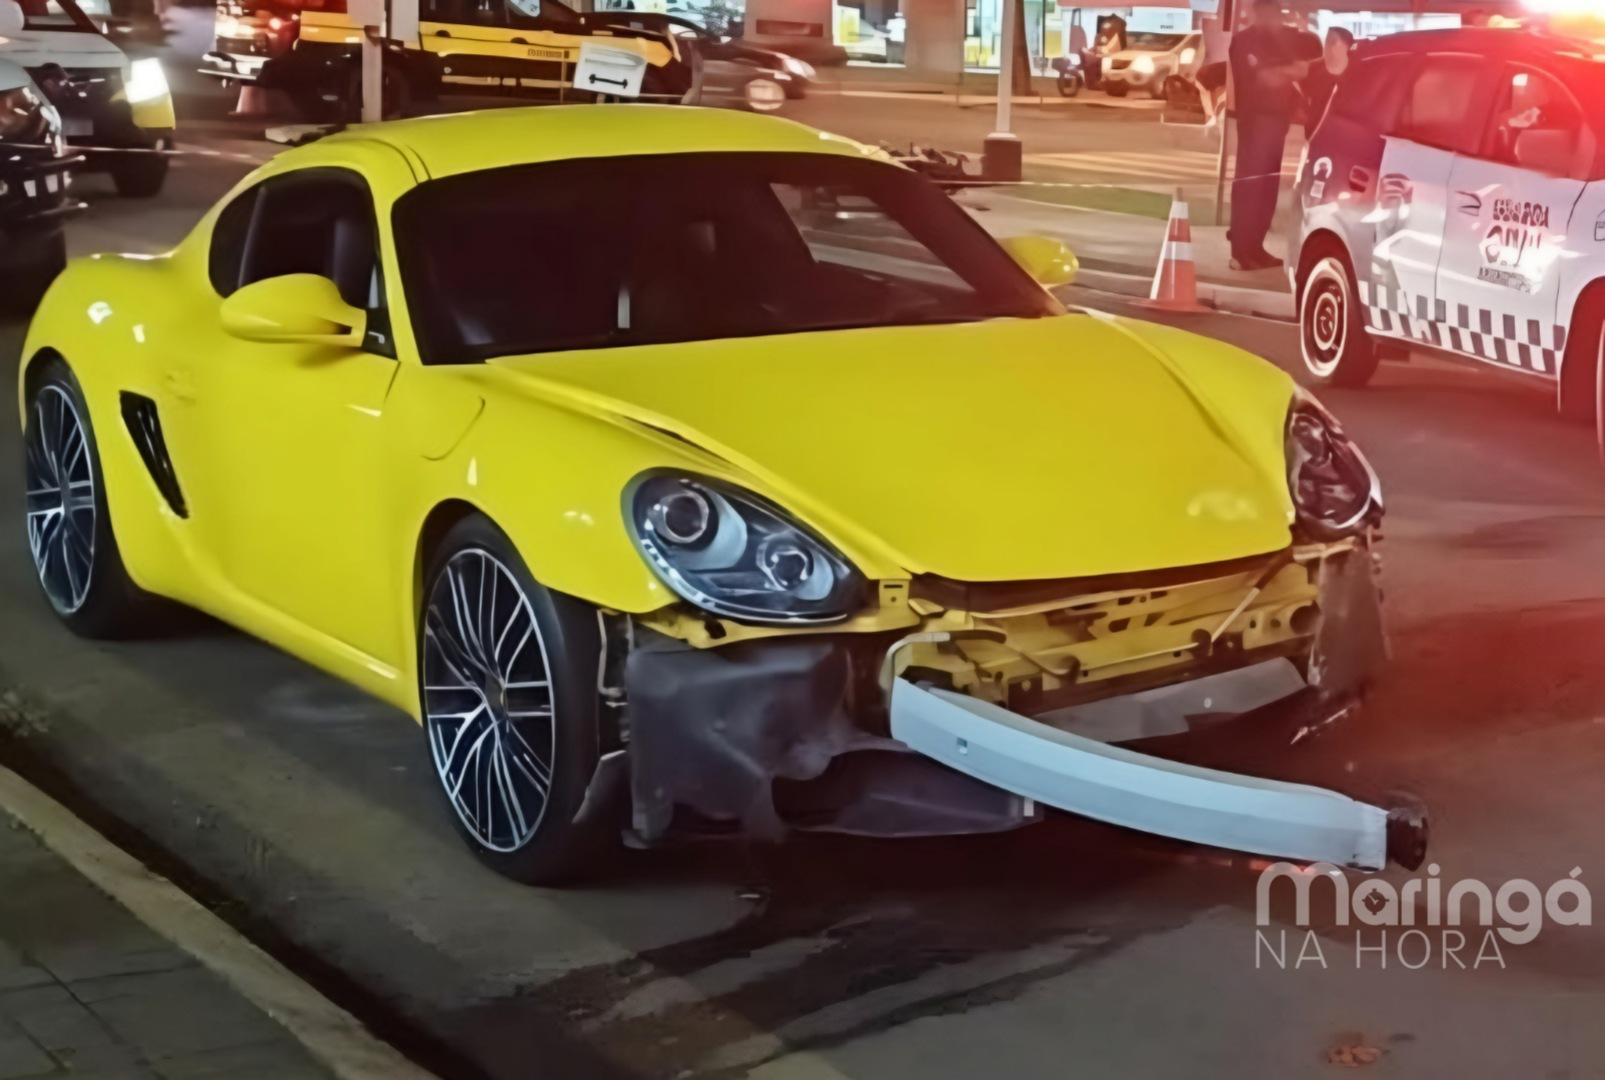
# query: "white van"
119, 111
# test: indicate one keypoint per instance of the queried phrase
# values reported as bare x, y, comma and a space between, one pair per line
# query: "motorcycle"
1070, 79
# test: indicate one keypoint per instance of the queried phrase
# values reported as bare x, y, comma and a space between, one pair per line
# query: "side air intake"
139, 413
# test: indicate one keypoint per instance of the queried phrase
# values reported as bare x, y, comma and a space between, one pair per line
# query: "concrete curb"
1230, 299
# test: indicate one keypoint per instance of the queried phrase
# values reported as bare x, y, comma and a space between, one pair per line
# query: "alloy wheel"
488, 703
1325, 323
60, 478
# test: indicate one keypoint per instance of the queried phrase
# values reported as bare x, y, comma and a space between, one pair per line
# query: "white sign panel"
609, 71
366, 12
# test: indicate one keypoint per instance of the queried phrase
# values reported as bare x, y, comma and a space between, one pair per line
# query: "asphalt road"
308, 814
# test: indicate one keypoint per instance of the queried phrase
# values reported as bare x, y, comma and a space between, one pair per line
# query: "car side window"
320, 221
1537, 124
466, 12
1443, 105
228, 242
1368, 93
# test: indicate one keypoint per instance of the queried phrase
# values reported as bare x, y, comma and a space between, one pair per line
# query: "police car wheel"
141, 175
1579, 386
31, 270
1337, 350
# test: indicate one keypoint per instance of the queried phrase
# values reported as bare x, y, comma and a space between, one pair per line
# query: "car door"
289, 467
1507, 235
1444, 108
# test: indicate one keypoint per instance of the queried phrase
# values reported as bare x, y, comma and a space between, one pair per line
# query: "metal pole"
1006, 69
1001, 155
372, 75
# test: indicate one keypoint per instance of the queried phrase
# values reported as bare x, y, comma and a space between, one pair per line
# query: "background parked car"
799, 73
1148, 60
119, 106
33, 190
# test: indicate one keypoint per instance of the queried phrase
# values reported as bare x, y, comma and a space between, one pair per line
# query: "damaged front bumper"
994, 702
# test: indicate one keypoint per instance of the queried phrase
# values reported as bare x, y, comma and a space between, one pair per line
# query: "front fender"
552, 478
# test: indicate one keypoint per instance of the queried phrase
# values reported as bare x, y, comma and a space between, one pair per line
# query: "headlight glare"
146, 81
22, 114
1334, 489
732, 553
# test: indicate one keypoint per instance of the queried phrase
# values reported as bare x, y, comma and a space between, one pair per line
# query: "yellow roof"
468, 142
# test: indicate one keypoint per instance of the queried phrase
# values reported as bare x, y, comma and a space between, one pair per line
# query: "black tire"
315, 106
1333, 341
473, 688
1069, 84
1578, 388
110, 604
395, 95
23, 284
762, 95
1115, 89
140, 175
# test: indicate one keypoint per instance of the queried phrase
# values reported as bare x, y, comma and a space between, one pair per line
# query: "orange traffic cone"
253, 101
1176, 279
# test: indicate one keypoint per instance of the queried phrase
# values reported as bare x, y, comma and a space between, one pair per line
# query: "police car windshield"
56, 15
620, 251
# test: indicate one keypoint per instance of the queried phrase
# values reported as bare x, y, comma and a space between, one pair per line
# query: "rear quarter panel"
107, 317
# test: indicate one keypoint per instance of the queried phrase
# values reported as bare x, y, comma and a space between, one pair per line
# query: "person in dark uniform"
1265, 71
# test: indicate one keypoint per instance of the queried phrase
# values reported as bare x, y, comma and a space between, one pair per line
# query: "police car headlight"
732, 553
1143, 65
1335, 491
146, 81
22, 114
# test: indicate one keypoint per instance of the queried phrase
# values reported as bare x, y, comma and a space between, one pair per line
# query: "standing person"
1264, 73
1321, 83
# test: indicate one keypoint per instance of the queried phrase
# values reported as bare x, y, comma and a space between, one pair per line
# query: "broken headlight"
22, 115
732, 553
1335, 491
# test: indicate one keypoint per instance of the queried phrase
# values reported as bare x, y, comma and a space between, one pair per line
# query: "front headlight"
800, 68
1188, 55
146, 81
22, 115
1143, 65
1335, 491
732, 553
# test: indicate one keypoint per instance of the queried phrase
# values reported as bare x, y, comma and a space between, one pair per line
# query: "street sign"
609, 71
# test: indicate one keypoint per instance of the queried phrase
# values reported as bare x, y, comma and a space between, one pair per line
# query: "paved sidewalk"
1119, 252
87, 991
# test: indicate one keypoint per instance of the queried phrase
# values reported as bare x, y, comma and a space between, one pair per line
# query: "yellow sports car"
708, 465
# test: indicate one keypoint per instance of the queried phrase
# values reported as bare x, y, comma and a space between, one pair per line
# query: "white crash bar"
1112, 784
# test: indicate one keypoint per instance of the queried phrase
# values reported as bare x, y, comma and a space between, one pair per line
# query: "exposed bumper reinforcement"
1121, 787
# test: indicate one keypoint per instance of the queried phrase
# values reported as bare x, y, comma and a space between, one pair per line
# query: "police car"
1453, 201
118, 108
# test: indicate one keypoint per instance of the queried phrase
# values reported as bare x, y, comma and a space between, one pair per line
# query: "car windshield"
1151, 42
56, 15
604, 252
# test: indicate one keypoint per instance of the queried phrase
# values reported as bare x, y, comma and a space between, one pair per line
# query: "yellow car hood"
1008, 450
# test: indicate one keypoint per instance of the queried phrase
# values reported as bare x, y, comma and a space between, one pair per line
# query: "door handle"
179, 385
443, 33
520, 41
1361, 179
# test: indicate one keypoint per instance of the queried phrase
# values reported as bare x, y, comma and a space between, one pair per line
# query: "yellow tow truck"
524, 49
